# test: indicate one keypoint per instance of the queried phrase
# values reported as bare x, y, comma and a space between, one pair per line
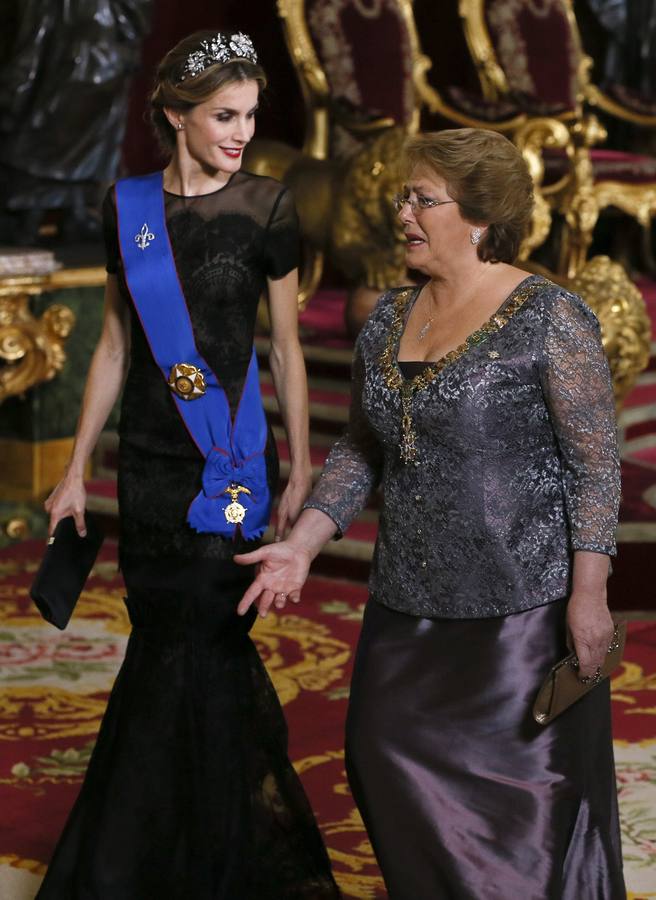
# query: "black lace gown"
190, 794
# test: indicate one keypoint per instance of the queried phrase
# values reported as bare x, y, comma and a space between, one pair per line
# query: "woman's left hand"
292, 500
591, 629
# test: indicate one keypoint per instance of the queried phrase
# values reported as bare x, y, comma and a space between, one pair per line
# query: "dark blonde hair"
171, 92
488, 177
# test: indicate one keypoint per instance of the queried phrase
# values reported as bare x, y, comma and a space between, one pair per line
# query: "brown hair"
488, 177
172, 92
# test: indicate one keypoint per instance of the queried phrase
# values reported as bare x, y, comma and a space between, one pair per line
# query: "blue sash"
235, 490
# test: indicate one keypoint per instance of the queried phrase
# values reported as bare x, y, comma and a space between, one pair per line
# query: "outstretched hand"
282, 571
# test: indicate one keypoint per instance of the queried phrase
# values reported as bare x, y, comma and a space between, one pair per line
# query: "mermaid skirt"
189, 792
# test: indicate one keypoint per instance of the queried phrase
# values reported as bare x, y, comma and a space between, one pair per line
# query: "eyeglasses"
418, 202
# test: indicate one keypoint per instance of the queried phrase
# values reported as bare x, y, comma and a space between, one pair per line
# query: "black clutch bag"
64, 569
562, 686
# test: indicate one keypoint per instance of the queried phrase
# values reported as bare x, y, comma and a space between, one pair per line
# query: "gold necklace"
408, 387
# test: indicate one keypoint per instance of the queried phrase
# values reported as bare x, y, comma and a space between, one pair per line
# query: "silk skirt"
463, 795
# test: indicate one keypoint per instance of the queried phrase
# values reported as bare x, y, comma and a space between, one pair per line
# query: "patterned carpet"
53, 689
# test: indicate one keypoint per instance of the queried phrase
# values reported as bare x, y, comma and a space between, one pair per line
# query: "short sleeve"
110, 232
281, 246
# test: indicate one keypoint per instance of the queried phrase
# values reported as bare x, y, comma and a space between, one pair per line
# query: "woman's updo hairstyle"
488, 177
175, 88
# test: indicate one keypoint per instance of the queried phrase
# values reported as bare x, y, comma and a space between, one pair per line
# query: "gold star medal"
234, 512
187, 381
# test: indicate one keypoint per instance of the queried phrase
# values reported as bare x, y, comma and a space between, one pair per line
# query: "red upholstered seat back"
364, 49
539, 52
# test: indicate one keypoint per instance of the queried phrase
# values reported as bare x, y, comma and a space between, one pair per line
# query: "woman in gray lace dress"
482, 406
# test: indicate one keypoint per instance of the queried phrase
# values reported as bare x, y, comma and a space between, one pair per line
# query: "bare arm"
103, 385
290, 381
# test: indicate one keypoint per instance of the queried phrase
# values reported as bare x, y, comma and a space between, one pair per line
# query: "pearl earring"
475, 235
179, 126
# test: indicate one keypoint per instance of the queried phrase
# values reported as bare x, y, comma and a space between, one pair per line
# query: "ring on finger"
592, 679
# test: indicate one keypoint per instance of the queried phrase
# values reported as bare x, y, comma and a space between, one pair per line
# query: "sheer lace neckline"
206, 194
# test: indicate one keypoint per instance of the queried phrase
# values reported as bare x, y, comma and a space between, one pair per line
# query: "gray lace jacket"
517, 462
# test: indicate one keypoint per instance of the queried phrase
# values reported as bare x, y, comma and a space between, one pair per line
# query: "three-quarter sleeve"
354, 465
110, 233
578, 390
281, 243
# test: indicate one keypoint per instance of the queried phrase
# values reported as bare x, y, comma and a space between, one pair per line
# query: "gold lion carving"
31, 348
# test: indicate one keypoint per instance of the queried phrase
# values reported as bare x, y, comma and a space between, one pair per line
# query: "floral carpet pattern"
54, 686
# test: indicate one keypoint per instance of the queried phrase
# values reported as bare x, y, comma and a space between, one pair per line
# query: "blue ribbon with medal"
235, 492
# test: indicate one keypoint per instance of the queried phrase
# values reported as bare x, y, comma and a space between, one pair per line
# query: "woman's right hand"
69, 498
282, 571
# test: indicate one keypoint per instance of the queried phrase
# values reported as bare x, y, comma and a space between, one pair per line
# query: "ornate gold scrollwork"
311, 76
31, 349
492, 78
367, 240
532, 138
320, 110
577, 196
490, 74
620, 308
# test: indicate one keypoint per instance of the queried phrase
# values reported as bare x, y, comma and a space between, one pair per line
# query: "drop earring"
475, 235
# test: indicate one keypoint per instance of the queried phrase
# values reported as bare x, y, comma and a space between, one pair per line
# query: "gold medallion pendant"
234, 512
187, 381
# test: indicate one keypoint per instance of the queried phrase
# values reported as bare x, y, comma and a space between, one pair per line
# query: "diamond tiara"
220, 49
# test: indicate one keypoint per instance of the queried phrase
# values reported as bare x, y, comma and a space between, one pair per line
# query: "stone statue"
64, 80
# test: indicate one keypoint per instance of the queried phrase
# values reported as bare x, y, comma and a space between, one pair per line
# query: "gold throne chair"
361, 74
531, 54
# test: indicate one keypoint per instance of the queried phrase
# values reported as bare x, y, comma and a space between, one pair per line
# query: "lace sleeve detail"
354, 464
578, 390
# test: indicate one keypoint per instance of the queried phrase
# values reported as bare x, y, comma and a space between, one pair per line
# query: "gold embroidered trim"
395, 380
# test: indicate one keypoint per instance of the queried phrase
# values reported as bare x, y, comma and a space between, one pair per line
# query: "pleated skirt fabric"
463, 795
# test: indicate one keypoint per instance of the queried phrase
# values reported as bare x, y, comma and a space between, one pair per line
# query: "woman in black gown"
189, 792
